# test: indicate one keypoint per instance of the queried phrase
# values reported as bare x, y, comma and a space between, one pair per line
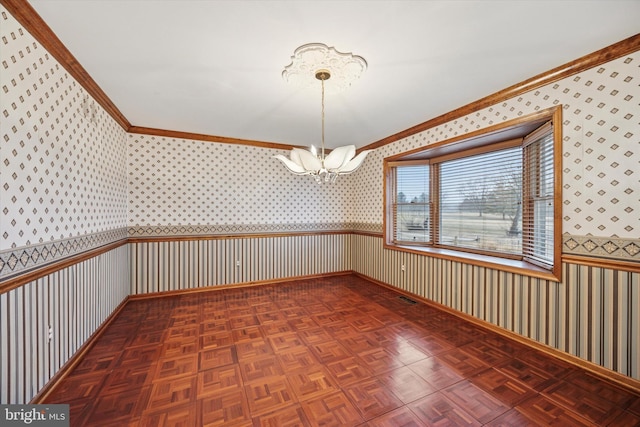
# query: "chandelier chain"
322, 158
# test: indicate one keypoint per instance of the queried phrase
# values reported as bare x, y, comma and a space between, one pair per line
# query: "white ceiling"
214, 67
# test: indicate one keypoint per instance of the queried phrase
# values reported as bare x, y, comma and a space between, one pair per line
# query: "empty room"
319, 213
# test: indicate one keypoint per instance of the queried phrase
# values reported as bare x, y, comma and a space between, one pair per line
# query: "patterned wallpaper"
185, 182
601, 162
63, 158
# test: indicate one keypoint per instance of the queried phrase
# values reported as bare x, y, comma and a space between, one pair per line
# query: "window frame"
394, 202
501, 136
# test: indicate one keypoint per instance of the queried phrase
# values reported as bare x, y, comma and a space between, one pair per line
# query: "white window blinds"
411, 204
480, 201
538, 209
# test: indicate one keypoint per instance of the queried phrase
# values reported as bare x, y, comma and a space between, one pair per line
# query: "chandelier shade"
341, 161
313, 62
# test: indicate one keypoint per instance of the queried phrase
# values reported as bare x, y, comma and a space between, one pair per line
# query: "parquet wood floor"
336, 351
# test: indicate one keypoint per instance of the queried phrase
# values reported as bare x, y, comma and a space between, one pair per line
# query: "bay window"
491, 196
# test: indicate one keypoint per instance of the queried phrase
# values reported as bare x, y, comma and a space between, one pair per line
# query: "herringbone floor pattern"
338, 351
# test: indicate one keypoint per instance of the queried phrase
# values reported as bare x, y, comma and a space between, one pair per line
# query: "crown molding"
208, 138
35, 25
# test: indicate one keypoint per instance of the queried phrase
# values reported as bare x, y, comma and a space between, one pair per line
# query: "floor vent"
408, 300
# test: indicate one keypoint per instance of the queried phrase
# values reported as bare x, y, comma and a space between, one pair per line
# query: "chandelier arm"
354, 164
292, 166
338, 157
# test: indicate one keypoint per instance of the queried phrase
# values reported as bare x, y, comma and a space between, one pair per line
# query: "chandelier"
317, 62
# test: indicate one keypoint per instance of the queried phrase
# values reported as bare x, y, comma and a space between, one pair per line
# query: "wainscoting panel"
592, 314
160, 266
605, 303
73, 302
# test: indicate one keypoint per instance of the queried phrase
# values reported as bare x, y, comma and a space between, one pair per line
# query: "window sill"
503, 264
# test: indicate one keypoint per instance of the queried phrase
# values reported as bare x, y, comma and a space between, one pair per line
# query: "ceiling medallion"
345, 68
336, 72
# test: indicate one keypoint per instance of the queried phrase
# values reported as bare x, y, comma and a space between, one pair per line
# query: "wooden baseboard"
64, 371
597, 370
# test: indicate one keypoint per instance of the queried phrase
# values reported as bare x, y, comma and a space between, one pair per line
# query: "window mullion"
434, 210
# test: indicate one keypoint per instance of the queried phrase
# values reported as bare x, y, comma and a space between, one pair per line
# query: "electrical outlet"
50, 334
238, 263
402, 267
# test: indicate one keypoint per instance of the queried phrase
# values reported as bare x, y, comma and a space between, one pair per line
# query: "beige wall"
72, 180
593, 313
63, 190
175, 181
601, 149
